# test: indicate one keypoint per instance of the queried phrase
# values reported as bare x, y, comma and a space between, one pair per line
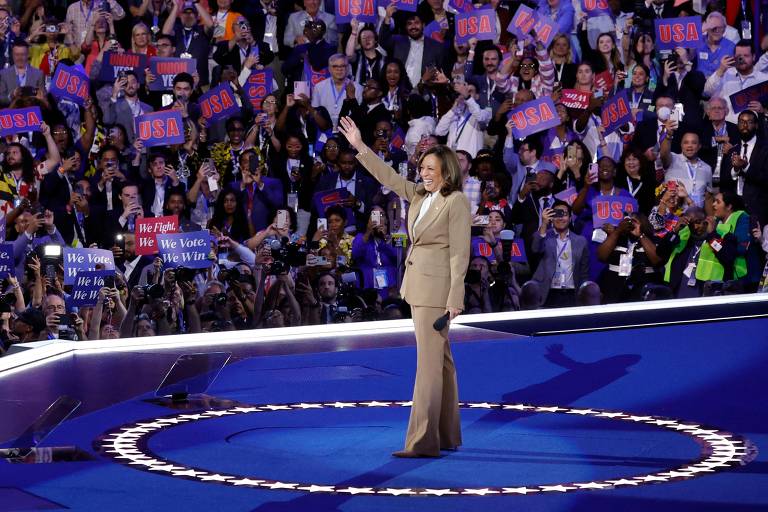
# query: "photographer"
59, 324
108, 312
374, 255
477, 286
39, 229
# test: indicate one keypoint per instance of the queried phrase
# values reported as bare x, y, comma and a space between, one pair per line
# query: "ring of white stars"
128, 445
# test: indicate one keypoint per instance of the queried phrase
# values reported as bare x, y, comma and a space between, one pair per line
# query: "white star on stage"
518, 490
374, 403
357, 490
246, 409
246, 481
191, 416
437, 492
583, 412
308, 406
519, 407
641, 418
150, 462
685, 427
479, 492
592, 485
694, 469
215, 478
396, 492
318, 488
550, 409
168, 468
653, 478
341, 405
484, 405
153, 425
218, 413
189, 472
130, 436
278, 407
676, 474
700, 432
175, 420
405, 404
623, 481
280, 485
140, 430
611, 414
556, 488
664, 423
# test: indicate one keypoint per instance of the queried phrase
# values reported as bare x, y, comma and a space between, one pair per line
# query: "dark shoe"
405, 454
449, 448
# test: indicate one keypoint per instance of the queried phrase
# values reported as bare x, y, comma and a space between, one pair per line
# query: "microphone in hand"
441, 322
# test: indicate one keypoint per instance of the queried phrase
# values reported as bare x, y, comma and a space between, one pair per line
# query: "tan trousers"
434, 421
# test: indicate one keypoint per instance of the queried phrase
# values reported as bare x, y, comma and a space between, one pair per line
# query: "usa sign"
480, 24
533, 117
616, 112
218, 103
363, 10
160, 128
674, 32
70, 84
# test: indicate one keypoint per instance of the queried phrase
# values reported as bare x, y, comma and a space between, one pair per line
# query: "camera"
104, 6
473, 276
7, 301
109, 281
184, 275
380, 134
220, 299
152, 291
51, 29
49, 258
66, 329
558, 213
286, 255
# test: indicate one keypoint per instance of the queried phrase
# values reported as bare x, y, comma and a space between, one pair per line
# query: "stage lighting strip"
129, 445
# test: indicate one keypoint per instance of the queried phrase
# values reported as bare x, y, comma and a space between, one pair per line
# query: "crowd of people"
301, 234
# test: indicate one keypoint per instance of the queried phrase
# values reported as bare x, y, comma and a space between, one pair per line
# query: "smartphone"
109, 281
572, 151
322, 224
677, 113
283, 219
598, 93
376, 217
481, 220
593, 171
300, 88
120, 242
65, 320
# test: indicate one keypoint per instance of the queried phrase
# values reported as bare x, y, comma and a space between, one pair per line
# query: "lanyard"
155, 20
21, 79
562, 250
636, 99
390, 99
613, 192
461, 125
337, 97
491, 88
722, 131
633, 190
187, 40
90, 10
244, 53
559, 71
692, 170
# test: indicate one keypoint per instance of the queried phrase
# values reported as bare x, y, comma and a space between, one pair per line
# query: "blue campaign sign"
674, 32
480, 24
611, 209
363, 10
258, 85
545, 28
114, 62
435, 31
740, 100
594, 8
518, 251
19, 120
6, 260
160, 128
165, 70
191, 250
616, 112
533, 117
522, 22
78, 259
459, 6
85, 290
408, 5
218, 103
69, 83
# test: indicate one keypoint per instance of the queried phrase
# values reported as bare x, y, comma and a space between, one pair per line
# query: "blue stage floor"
590, 421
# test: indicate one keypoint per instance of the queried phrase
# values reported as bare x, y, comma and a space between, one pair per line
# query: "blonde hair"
133, 35
449, 168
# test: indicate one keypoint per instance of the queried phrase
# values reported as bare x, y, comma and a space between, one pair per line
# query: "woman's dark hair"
730, 198
239, 229
637, 57
586, 156
404, 83
502, 179
615, 58
337, 210
645, 225
647, 172
449, 168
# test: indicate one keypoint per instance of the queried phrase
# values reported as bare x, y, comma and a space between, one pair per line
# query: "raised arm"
385, 174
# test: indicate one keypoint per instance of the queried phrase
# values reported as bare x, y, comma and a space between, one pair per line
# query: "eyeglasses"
746, 121
269, 102
527, 66
717, 29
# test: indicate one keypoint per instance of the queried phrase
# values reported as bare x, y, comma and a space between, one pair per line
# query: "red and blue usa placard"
545, 29
480, 24
616, 112
363, 10
165, 70
522, 22
218, 103
568, 195
258, 85
611, 209
114, 62
20, 120
740, 100
160, 128
533, 117
594, 8
69, 83
674, 32
461, 6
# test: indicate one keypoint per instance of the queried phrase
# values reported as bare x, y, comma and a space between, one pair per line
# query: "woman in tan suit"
439, 230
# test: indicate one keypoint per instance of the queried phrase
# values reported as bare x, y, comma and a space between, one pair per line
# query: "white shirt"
563, 277
740, 178
414, 60
325, 94
732, 82
424, 207
695, 175
130, 266
157, 204
464, 126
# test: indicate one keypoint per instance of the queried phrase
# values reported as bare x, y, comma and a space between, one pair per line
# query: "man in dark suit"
123, 217
745, 168
646, 136
124, 105
191, 37
161, 183
317, 50
683, 85
361, 189
60, 194
239, 51
534, 197
564, 264
20, 74
657, 10
485, 83
416, 51
367, 115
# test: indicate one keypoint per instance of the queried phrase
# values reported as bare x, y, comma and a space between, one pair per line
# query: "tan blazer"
440, 245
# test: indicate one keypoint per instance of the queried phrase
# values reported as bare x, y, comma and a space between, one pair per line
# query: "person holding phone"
374, 255
439, 229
